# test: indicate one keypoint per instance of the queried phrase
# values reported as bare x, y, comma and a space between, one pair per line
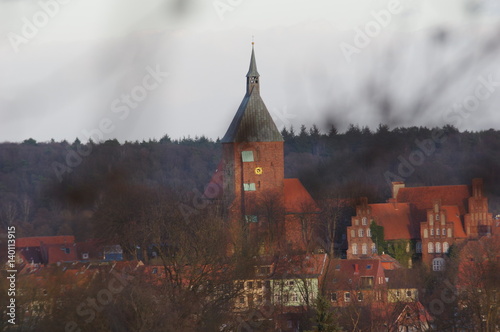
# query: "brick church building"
263, 208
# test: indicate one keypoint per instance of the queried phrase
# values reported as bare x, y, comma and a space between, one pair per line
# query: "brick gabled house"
360, 281
394, 217
46, 249
429, 219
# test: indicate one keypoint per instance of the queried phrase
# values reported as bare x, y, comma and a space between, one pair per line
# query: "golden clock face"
258, 170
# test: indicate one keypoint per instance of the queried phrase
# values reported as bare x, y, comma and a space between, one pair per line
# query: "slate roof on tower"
252, 122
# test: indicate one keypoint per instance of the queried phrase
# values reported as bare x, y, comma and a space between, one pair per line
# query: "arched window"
374, 248
353, 233
364, 249
354, 249
426, 233
430, 248
368, 232
360, 232
438, 247
446, 247
432, 231
438, 264
438, 231
443, 231
363, 221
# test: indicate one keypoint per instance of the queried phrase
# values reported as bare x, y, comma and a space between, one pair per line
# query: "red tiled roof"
301, 265
297, 198
453, 215
57, 253
348, 267
423, 197
395, 218
37, 241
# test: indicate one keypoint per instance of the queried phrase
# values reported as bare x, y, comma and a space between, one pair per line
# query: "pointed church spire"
252, 122
252, 71
253, 75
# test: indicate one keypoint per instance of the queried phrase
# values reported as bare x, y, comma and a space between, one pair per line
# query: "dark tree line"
330, 164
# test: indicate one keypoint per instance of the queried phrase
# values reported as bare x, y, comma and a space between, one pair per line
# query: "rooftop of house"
401, 278
36, 241
453, 215
423, 198
396, 220
297, 198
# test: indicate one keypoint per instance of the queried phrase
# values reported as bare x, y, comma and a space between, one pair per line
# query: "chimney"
477, 187
356, 268
395, 188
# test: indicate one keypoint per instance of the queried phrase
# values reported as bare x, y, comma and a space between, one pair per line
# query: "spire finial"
253, 41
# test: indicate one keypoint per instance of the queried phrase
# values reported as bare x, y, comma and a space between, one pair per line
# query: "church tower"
253, 156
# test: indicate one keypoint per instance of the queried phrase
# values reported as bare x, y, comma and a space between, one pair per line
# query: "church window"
247, 156
249, 186
360, 232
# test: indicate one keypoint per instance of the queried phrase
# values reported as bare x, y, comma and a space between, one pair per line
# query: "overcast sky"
67, 67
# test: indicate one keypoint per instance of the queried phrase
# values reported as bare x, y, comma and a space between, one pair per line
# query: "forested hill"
53, 188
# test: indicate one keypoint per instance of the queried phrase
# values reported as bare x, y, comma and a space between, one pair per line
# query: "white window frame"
354, 248
247, 156
249, 186
438, 264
